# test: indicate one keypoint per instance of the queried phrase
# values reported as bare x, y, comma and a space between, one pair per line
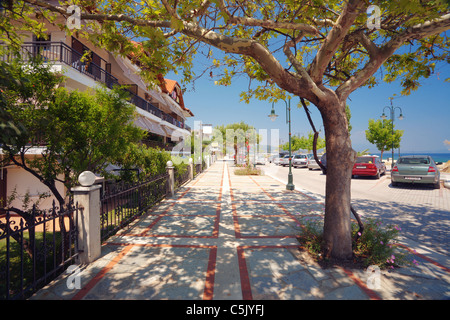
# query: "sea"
437, 157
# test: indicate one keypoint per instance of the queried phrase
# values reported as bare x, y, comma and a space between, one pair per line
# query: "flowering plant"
377, 245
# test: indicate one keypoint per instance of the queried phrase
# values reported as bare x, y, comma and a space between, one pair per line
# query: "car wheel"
378, 175
437, 185
394, 184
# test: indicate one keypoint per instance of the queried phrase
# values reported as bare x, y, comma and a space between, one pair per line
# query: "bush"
245, 171
376, 246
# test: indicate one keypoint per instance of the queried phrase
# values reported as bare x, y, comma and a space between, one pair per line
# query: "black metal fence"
199, 168
35, 247
181, 176
38, 246
122, 202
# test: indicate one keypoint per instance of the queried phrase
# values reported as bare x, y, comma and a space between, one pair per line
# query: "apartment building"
161, 110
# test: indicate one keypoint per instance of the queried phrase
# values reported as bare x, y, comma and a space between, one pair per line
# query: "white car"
284, 161
260, 160
278, 158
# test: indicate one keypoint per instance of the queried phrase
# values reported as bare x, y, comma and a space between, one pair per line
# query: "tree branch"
269, 24
300, 69
334, 39
379, 55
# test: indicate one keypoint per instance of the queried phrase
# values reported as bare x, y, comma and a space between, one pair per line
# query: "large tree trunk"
340, 160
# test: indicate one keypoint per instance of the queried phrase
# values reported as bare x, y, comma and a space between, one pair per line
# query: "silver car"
312, 164
284, 161
415, 169
299, 160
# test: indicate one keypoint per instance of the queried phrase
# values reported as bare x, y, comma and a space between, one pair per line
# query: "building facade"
160, 110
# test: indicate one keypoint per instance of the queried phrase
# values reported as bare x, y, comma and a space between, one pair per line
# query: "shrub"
376, 246
245, 171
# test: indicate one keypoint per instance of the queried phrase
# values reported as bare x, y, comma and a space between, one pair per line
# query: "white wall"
24, 182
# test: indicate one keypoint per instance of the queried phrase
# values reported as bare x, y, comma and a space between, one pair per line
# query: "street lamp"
384, 117
273, 116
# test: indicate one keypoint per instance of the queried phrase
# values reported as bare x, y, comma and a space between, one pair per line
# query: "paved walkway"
224, 237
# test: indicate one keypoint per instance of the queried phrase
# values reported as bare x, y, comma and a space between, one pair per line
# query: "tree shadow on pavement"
424, 224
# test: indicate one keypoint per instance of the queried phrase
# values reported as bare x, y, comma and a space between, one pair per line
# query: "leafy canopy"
77, 131
314, 43
381, 133
304, 143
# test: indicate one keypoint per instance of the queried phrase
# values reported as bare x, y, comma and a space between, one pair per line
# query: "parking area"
421, 211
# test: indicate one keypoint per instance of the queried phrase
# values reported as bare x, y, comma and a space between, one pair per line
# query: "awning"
174, 134
149, 125
169, 131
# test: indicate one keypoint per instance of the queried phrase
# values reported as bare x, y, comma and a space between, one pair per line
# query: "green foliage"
363, 152
78, 130
149, 161
247, 171
167, 45
377, 245
380, 133
304, 143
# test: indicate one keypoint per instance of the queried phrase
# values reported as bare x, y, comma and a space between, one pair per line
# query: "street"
420, 211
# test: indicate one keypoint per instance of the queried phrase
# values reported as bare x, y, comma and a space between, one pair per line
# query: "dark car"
368, 166
323, 161
416, 169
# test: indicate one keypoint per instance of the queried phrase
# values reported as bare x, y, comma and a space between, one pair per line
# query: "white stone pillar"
171, 172
88, 198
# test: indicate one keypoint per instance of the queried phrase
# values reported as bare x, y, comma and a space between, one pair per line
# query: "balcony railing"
60, 52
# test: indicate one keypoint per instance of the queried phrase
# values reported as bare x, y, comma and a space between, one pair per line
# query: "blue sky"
426, 112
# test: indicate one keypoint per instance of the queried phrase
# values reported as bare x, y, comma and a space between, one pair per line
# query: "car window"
364, 160
414, 161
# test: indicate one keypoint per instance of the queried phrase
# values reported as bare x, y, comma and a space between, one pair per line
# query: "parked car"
312, 164
277, 160
299, 160
368, 166
415, 169
260, 160
284, 161
323, 161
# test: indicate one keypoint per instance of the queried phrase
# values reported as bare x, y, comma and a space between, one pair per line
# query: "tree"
304, 143
382, 134
318, 51
77, 131
238, 135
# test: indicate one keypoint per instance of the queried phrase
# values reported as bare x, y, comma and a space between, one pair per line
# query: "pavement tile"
231, 237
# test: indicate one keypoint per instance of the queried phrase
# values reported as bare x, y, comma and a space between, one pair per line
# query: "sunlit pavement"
422, 212
228, 237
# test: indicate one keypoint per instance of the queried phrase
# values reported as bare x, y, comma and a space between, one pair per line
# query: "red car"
368, 166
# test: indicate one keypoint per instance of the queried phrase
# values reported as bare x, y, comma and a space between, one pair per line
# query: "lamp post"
273, 116
400, 117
